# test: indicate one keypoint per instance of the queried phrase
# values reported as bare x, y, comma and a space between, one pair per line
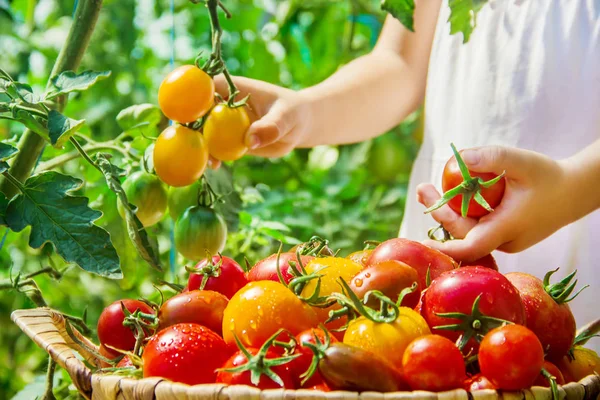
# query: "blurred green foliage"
347, 194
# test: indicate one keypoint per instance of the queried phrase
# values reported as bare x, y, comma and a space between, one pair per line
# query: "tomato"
585, 362
419, 307
360, 257
180, 156
182, 198
389, 158
301, 364
147, 193
185, 353
321, 387
433, 363
387, 340
186, 94
493, 195
416, 255
202, 307
478, 382
390, 278
541, 380
486, 261
553, 323
261, 308
225, 132
200, 230
331, 269
511, 357
222, 274
314, 247
267, 269
125, 363
111, 331
457, 290
107, 353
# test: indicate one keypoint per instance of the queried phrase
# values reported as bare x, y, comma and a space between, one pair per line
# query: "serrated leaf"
61, 127
3, 207
139, 115
7, 151
70, 81
144, 244
463, 16
402, 10
64, 220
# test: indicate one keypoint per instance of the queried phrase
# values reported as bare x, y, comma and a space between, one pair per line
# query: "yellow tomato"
585, 362
186, 94
180, 156
387, 340
225, 132
360, 257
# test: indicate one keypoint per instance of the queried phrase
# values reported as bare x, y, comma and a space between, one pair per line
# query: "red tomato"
266, 270
322, 387
511, 357
419, 306
203, 307
226, 278
185, 353
107, 353
493, 195
486, 261
111, 331
433, 363
478, 382
244, 377
301, 364
125, 362
541, 380
416, 255
457, 290
553, 323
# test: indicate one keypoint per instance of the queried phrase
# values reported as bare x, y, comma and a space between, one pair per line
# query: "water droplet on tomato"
358, 282
367, 275
253, 324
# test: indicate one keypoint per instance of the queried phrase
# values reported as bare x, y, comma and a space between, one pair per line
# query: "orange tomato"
180, 156
585, 362
186, 94
360, 257
225, 132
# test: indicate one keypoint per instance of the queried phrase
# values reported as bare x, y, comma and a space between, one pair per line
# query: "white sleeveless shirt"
529, 77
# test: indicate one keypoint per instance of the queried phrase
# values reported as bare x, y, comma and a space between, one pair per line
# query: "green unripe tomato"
182, 198
389, 158
148, 194
198, 230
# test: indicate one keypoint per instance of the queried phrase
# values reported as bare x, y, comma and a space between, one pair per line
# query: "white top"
529, 77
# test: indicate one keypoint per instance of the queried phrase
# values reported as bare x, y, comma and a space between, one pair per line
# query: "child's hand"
540, 198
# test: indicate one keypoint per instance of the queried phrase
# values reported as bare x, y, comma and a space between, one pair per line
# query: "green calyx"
316, 247
210, 270
473, 326
318, 350
140, 324
258, 364
561, 291
470, 188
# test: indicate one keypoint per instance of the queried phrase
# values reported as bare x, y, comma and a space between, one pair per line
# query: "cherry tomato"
186, 94
416, 255
331, 269
541, 380
224, 276
202, 307
267, 269
182, 198
478, 382
125, 362
486, 261
225, 132
553, 323
585, 362
300, 365
260, 309
457, 290
433, 363
186, 353
180, 156
198, 231
511, 357
390, 278
107, 353
387, 340
360, 257
321, 387
389, 158
148, 194
493, 195
111, 331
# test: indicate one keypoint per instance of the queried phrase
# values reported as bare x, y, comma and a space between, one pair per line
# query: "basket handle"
46, 327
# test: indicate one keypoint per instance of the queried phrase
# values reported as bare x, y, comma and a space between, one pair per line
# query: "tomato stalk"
552, 381
470, 188
561, 291
318, 350
210, 270
433, 232
139, 323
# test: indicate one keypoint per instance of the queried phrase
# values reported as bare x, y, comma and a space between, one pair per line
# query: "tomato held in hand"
202, 307
186, 94
198, 231
225, 132
180, 156
221, 274
111, 331
260, 309
267, 269
185, 353
433, 363
511, 357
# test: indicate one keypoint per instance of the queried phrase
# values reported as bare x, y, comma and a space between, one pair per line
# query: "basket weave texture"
47, 328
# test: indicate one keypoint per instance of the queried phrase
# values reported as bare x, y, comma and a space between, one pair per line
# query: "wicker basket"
47, 328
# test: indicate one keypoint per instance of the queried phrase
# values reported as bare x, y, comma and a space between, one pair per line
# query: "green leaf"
275, 225
402, 10
146, 247
7, 151
4, 166
139, 115
230, 204
64, 220
3, 207
463, 16
61, 127
69, 81
32, 122
5, 9
148, 159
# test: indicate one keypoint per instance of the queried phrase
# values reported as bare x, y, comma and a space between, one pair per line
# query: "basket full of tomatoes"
400, 320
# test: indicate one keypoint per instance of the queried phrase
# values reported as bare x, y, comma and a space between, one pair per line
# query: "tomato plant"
111, 330
148, 194
225, 132
203, 307
200, 230
219, 273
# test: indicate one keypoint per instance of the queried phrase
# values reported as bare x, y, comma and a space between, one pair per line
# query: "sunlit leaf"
70, 81
64, 220
463, 16
402, 10
61, 127
139, 116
